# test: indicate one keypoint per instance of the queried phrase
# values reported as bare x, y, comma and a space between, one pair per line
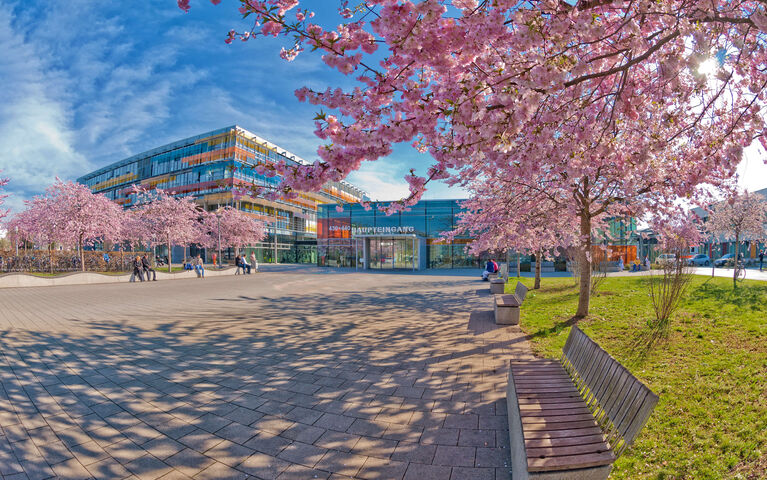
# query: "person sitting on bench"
490, 267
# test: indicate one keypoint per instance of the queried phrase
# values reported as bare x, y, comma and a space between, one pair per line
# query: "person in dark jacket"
761, 260
238, 265
138, 270
490, 267
147, 267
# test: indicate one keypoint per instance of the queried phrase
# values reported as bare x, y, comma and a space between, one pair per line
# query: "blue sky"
89, 82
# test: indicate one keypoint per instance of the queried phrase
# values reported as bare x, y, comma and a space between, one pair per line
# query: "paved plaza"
295, 373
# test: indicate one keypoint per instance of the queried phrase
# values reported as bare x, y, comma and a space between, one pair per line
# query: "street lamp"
218, 222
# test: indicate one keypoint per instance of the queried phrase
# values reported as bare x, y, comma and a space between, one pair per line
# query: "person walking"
761, 259
147, 267
253, 261
106, 260
137, 270
215, 257
199, 267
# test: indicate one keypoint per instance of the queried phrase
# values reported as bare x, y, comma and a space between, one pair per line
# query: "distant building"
715, 248
209, 167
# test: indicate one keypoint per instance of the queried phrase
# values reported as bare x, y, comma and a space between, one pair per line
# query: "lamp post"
218, 222
275, 233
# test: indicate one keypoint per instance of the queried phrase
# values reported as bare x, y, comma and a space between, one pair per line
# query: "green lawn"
710, 373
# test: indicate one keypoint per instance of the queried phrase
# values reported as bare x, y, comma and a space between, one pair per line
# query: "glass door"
404, 254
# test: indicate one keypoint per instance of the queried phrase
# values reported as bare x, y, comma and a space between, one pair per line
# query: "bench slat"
563, 442
566, 433
567, 450
575, 417
570, 462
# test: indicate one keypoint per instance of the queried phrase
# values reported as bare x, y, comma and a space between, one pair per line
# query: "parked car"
725, 259
698, 260
665, 259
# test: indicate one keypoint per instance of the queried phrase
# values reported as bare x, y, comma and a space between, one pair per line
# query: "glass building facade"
209, 167
370, 239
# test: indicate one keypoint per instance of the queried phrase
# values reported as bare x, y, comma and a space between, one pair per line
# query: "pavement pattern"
303, 373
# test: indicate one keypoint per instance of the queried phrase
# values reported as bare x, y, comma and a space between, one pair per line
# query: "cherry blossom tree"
80, 217
499, 216
616, 108
237, 228
37, 224
742, 216
167, 219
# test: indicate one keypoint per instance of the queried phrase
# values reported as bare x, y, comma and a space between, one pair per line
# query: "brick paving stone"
71, 469
337, 441
219, 471
268, 443
374, 447
303, 454
163, 447
379, 370
455, 456
188, 461
107, 469
342, 463
382, 469
477, 438
335, 422
237, 433
229, 453
417, 471
467, 473
493, 457
299, 472
263, 466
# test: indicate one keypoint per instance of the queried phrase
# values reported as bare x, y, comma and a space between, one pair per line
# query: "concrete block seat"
507, 306
572, 419
497, 285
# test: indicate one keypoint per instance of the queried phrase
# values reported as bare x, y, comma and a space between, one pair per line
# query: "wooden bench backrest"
620, 402
520, 291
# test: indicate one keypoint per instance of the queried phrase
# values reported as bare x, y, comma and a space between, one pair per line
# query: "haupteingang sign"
382, 230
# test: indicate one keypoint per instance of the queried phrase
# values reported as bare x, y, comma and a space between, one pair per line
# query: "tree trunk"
538, 258
735, 270
82, 254
50, 256
584, 296
519, 261
170, 258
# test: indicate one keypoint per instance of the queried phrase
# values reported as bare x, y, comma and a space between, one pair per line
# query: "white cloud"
752, 171
37, 143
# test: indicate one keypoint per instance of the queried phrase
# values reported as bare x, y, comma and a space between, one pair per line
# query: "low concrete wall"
10, 280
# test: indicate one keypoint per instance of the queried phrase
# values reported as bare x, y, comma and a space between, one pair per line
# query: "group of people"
490, 267
241, 263
141, 266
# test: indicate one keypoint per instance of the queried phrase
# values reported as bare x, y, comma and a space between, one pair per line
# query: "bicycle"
740, 273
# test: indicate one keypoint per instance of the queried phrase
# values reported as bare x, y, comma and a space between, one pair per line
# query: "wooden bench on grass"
507, 306
572, 419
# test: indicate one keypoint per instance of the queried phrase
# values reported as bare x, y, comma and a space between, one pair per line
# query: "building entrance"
388, 252
391, 253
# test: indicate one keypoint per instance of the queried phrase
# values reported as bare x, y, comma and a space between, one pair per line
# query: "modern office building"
370, 239
209, 167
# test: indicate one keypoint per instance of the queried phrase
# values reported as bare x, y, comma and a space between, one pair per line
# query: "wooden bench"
507, 306
572, 419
